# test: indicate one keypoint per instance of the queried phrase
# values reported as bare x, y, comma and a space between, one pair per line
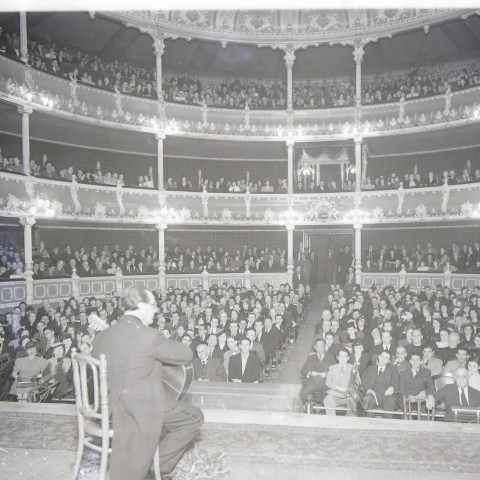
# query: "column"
160, 138
358, 252
23, 37
358, 164
318, 174
27, 223
290, 144
289, 61
161, 227
342, 174
159, 49
25, 112
290, 261
358, 53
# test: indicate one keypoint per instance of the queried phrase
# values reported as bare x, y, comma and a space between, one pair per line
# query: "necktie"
426, 363
463, 398
380, 371
415, 372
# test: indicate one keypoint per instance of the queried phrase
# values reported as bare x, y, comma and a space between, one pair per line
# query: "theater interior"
318, 170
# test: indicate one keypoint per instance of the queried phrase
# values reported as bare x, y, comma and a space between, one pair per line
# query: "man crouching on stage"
143, 415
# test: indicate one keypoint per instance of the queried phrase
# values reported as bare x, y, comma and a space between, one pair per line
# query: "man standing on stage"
144, 416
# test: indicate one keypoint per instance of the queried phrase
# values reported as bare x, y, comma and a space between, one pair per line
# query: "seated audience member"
380, 383
338, 382
255, 347
27, 370
416, 382
456, 394
245, 366
435, 365
207, 368
473, 374
460, 361
59, 369
314, 371
400, 360
359, 358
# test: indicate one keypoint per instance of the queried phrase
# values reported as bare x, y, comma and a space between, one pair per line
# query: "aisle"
290, 373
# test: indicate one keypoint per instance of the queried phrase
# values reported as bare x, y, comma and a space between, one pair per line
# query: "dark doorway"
321, 242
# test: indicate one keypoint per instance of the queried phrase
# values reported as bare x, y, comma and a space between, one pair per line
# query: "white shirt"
244, 363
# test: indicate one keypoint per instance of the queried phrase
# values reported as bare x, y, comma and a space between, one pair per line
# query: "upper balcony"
57, 96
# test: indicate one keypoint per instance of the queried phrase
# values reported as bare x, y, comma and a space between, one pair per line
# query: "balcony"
74, 201
60, 97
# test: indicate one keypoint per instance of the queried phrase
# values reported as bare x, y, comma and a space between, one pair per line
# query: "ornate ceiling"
287, 25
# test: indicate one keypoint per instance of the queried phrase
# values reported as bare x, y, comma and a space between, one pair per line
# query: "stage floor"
39, 441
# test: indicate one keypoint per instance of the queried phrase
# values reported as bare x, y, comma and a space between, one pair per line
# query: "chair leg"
156, 465
78, 460
102, 474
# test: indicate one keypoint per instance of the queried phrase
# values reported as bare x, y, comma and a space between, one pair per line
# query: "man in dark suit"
315, 369
298, 278
208, 368
331, 267
244, 366
387, 345
415, 382
139, 405
456, 394
270, 338
380, 383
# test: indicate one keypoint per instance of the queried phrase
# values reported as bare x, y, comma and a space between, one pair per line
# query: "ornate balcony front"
75, 201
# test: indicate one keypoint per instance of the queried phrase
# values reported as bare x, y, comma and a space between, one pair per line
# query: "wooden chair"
91, 392
440, 382
6, 369
409, 411
466, 414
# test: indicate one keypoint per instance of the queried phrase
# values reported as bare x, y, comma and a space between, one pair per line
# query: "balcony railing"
13, 292
83, 202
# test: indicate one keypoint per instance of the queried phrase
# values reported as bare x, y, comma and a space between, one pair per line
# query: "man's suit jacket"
435, 365
213, 370
297, 279
422, 382
337, 378
378, 349
380, 383
451, 396
257, 348
252, 368
362, 364
314, 364
400, 366
135, 357
270, 341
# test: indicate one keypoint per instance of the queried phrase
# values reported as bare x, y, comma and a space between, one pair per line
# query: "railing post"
160, 182
205, 282
290, 145
27, 223
25, 111
119, 281
75, 289
358, 252
448, 276
248, 279
403, 276
358, 164
290, 261
161, 227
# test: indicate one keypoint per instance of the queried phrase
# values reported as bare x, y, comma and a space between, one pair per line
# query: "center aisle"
290, 372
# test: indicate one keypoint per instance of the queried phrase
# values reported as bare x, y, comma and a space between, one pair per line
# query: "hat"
57, 344
66, 336
358, 343
351, 323
30, 345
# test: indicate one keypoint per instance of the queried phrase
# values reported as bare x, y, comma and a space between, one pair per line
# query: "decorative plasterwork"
278, 26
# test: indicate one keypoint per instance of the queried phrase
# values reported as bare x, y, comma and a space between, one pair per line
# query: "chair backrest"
442, 381
91, 390
4, 358
5, 372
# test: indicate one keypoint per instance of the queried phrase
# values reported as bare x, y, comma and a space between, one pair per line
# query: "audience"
397, 332
40, 339
393, 258
187, 88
